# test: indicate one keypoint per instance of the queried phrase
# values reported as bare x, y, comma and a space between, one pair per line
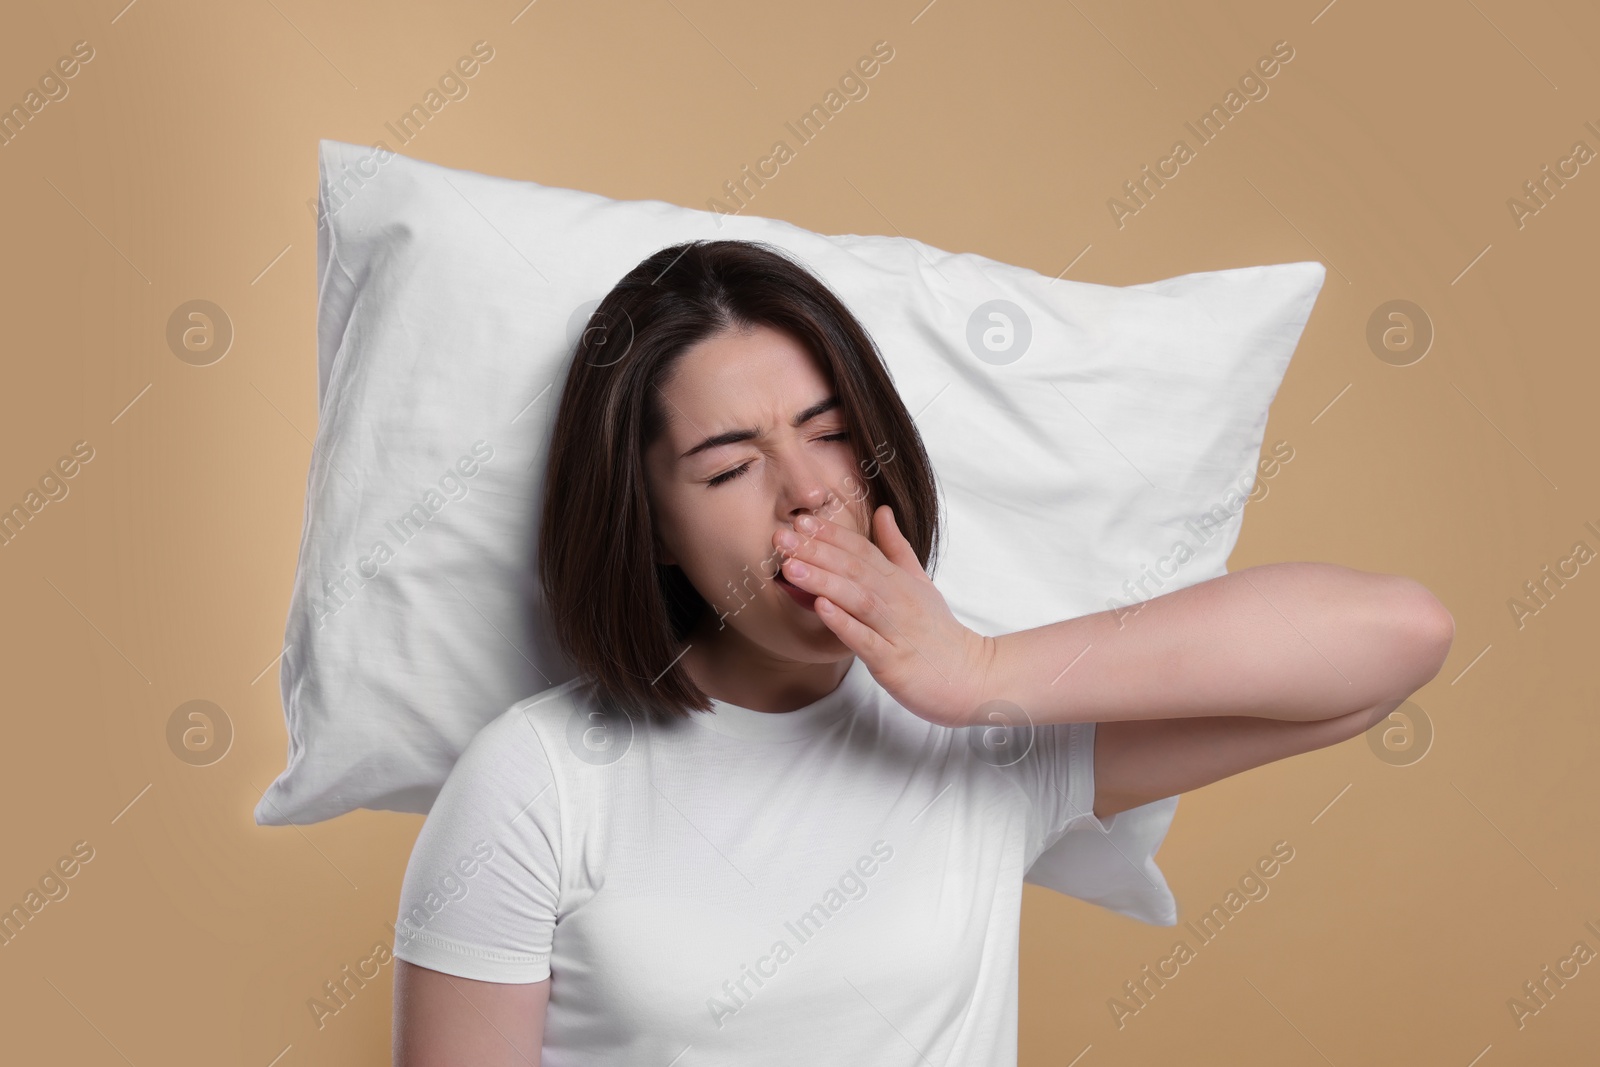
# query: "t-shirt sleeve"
1056, 771
1109, 862
482, 888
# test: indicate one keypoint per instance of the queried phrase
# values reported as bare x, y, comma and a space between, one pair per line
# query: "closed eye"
728, 476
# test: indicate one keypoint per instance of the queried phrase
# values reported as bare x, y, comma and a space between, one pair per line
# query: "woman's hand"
883, 606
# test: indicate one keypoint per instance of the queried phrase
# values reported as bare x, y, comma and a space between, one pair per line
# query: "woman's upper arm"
441, 1020
1137, 761
480, 898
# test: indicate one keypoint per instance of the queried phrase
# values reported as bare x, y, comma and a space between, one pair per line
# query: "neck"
728, 666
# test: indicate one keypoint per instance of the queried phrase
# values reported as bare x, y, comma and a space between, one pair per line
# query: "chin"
807, 640
824, 644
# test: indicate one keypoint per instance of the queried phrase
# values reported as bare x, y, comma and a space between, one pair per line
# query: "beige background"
1422, 893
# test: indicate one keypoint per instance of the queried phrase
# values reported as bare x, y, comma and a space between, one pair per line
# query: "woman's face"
717, 506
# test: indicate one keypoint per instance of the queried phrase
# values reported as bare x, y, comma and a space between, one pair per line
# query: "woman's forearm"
1296, 641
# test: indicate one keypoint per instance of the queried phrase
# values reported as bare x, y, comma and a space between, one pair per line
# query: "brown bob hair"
618, 612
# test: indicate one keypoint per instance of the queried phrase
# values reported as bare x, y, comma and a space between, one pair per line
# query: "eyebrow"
733, 437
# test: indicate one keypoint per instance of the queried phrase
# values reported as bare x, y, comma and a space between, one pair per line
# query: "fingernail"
807, 524
787, 539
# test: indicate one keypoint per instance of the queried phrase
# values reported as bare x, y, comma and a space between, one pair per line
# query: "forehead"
760, 378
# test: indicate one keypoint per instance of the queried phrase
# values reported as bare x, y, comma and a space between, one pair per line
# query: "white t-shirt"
837, 884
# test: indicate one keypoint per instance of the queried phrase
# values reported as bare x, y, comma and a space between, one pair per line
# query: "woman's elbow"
1429, 630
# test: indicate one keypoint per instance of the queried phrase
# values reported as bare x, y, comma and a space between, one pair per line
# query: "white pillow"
1084, 438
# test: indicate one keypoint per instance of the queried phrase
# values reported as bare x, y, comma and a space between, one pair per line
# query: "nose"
804, 490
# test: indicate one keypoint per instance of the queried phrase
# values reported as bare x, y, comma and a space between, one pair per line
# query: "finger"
841, 550
894, 543
859, 638
853, 596
816, 551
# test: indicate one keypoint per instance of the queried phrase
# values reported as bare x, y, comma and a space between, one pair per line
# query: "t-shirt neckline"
807, 721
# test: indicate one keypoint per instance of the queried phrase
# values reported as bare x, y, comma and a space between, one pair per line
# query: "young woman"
755, 827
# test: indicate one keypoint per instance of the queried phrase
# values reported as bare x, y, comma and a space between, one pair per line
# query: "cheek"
721, 541
854, 505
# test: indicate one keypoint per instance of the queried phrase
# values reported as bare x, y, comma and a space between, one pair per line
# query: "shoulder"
533, 720
516, 748
554, 732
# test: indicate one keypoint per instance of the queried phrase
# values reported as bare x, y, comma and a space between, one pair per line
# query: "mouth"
799, 596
